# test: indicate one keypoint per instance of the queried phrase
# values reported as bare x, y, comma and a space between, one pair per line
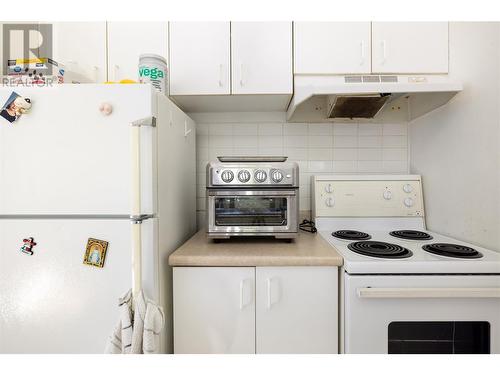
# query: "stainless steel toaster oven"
252, 198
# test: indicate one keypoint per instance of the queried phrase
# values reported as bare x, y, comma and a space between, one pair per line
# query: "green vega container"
153, 69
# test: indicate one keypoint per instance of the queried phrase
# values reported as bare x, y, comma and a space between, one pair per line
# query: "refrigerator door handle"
135, 162
146, 121
135, 201
136, 260
138, 219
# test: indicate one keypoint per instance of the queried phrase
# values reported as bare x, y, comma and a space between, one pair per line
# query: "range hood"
326, 98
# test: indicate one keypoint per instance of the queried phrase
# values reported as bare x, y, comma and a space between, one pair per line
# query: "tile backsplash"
318, 148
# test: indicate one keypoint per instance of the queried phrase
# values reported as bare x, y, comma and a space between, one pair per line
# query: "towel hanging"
138, 330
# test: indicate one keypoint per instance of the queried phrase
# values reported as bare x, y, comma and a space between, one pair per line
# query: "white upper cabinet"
332, 47
200, 58
410, 47
81, 47
128, 40
261, 57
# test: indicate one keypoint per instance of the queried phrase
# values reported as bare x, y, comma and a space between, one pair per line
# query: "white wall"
318, 148
456, 148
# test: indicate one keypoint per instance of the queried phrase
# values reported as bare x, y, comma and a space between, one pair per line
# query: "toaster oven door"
252, 212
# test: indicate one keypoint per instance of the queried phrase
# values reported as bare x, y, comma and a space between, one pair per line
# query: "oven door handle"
251, 193
390, 293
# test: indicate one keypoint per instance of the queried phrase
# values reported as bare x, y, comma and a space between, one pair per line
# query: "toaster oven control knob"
330, 202
408, 202
227, 176
329, 188
407, 188
260, 175
276, 175
244, 176
387, 195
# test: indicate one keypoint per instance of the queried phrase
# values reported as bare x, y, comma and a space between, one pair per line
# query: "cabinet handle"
362, 48
242, 82
96, 74
186, 129
221, 75
270, 300
273, 299
384, 56
242, 293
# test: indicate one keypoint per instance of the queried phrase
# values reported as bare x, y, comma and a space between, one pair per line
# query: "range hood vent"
320, 98
356, 106
370, 79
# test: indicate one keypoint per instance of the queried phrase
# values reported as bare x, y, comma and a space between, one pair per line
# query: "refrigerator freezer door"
65, 157
50, 302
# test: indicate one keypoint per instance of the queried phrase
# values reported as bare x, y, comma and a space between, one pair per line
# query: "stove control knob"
408, 202
244, 176
329, 188
260, 175
330, 202
227, 176
407, 188
387, 195
276, 175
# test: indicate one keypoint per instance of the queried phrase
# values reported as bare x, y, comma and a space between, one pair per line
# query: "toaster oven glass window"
251, 211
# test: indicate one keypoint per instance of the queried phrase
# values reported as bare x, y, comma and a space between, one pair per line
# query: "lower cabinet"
214, 309
296, 310
255, 310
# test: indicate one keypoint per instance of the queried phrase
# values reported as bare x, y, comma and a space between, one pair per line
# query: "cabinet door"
410, 47
199, 58
128, 40
214, 310
179, 179
332, 47
81, 47
297, 310
261, 57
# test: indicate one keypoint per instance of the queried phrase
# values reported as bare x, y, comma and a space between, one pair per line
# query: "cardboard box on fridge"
35, 69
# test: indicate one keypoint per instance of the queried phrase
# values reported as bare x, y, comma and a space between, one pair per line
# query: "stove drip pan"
406, 234
379, 249
452, 250
353, 235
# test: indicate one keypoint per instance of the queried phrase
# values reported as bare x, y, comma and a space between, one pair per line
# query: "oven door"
252, 212
424, 314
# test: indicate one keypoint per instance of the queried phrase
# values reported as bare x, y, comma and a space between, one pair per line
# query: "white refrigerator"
66, 176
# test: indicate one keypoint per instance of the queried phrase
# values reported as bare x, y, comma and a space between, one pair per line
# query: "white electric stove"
405, 289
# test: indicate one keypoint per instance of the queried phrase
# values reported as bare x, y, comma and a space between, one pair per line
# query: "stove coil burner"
353, 235
411, 235
452, 250
379, 249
